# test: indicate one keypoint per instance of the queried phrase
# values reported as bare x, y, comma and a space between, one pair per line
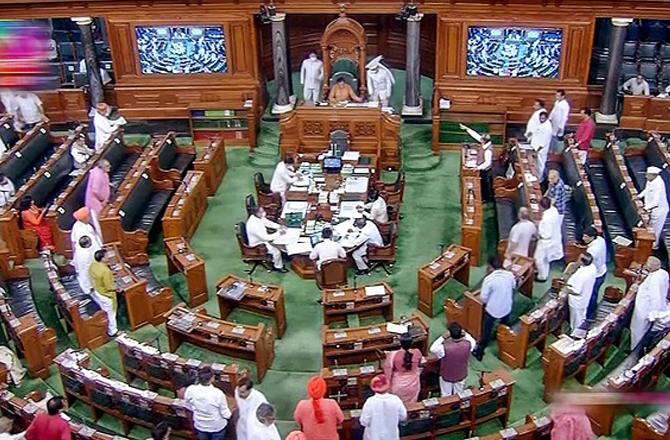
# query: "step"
263, 162
417, 154
420, 165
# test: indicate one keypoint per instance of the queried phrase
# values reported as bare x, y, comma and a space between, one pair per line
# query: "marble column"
283, 99
607, 113
96, 93
413, 105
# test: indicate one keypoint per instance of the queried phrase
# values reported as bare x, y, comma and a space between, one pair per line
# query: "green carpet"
431, 216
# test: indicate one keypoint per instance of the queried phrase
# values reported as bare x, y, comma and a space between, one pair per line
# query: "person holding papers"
375, 209
257, 233
655, 201
484, 167
327, 249
283, 177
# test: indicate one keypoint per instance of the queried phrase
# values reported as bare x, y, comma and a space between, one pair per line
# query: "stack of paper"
400, 329
356, 185
375, 291
351, 155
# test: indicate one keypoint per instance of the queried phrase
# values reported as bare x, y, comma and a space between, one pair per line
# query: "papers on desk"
529, 178
471, 163
291, 235
399, 329
348, 209
351, 155
234, 291
362, 171
357, 185
302, 246
375, 291
290, 207
622, 241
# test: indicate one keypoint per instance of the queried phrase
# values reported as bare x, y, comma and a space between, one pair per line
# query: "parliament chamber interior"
293, 192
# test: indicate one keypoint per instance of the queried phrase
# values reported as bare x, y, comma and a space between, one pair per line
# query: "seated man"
342, 93
637, 86
375, 209
368, 234
326, 250
257, 233
80, 152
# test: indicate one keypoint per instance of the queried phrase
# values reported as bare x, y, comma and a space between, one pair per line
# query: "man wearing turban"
318, 418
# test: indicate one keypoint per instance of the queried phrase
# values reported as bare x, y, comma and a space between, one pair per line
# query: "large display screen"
179, 50
515, 52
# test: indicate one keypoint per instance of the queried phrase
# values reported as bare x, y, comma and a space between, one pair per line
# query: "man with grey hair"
521, 235
651, 297
262, 427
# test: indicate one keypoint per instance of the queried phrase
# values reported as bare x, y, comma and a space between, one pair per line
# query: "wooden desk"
338, 303
169, 371
212, 162
471, 204
258, 298
253, 342
469, 312
362, 344
143, 307
181, 258
643, 430
371, 131
454, 262
187, 207
645, 113
535, 428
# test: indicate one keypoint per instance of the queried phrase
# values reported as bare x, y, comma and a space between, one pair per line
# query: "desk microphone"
481, 374
157, 340
251, 279
355, 283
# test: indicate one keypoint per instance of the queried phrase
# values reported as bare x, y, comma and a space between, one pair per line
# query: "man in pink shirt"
585, 132
50, 425
318, 418
97, 188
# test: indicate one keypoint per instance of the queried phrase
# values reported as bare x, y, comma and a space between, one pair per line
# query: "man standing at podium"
311, 74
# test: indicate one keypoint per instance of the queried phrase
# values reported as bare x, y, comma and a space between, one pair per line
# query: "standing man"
104, 290
380, 82
521, 235
497, 295
29, 110
257, 233
97, 189
50, 425
382, 412
311, 75
209, 407
105, 123
585, 132
83, 226
655, 201
534, 120
597, 248
283, 177
453, 351
558, 193
550, 240
84, 256
262, 427
327, 249
484, 167
650, 298
541, 142
7, 190
559, 114
248, 399
580, 287
375, 209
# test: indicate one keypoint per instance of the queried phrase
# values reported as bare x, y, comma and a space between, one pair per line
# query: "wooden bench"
181, 258
644, 430
170, 161
452, 263
535, 428
212, 162
187, 207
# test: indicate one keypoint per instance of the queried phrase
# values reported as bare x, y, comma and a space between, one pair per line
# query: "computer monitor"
315, 239
332, 164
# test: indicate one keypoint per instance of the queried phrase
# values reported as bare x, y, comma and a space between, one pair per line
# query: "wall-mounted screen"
181, 50
515, 52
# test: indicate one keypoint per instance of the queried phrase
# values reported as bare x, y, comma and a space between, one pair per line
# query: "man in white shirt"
6, 426
655, 201
257, 233
597, 248
104, 75
8, 99
550, 239
497, 295
580, 287
541, 142
80, 152
375, 209
104, 124
382, 412
327, 249
637, 86
209, 407
262, 427
484, 167
650, 298
29, 110
248, 399
559, 114
369, 234
283, 177
82, 226
449, 349
521, 235
7, 190
311, 75
84, 253
534, 120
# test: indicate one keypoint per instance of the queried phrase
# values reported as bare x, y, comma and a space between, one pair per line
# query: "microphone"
355, 283
251, 278
441, 248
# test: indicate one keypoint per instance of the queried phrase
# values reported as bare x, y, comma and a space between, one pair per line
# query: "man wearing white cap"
380, 81
655, 201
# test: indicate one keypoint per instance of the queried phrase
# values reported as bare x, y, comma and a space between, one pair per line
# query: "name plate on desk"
340, 335
367, 369
238, 330
433, 401
340, 372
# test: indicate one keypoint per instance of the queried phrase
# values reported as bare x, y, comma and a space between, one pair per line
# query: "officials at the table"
453, 350
580, 287
283, 177
521, 235
247, 399
327, 249
257, 233
651, 297
597, 248
655, 201
376, 208
637, 86
550, 241
382, 412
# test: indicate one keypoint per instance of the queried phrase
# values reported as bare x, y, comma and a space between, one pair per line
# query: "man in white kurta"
550, 241
257, 233
369, 234
83, 226
283, 177
541, 141
84, 253
534, 120
380, 82
248, 399
327, 249
375, 209
651, 297
580, 285
521, 235
262, 426
104, 126
559, 114
7, 190
311, 75
655, 201
382, 412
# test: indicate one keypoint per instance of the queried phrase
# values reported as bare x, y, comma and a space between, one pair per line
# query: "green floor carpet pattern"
431, 217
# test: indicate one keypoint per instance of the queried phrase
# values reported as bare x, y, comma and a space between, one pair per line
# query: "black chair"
664, 53
340, 139
630, 50
628, 70
143, 206
249, 204
647, 51
256, 255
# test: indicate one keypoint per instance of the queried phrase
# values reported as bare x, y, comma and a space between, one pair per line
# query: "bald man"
655, 201
650, 297
521, 235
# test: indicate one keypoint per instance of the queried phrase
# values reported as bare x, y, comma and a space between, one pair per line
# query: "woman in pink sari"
402, 369
570, 423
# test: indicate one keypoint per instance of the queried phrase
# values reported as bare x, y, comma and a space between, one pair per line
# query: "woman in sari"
33, 219
402, 369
